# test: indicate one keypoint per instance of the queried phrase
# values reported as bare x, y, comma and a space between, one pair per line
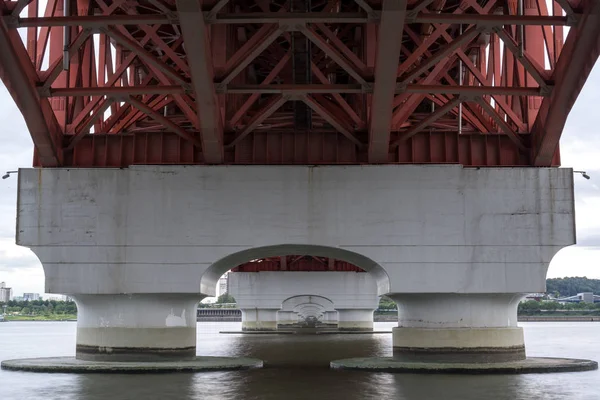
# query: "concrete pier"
355, 319
350, 296
454, 247
259, 319
138, 327
286, 318
458, 328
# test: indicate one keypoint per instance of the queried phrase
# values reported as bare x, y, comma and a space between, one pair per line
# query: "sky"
580, 149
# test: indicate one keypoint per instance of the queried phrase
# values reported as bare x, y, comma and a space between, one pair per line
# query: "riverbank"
558, 318
51, 317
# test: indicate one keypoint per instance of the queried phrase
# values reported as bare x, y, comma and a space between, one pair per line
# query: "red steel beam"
577, 59
96, 21
267, 110
330, 118
434, 116
19, 76
114, 90
200, 60
391, 30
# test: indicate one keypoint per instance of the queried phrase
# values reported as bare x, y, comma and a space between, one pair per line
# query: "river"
297, 368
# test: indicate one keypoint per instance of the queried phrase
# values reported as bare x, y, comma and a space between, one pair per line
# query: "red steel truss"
111, 83
296, 263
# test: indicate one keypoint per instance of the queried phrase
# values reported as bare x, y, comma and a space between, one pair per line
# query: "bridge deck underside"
107, 83
297, 263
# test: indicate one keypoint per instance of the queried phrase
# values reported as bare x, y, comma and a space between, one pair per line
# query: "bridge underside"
109, 83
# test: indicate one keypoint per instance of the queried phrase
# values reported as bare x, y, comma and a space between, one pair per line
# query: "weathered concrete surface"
137, 327
355, 319
288, 289
430, 231
309, 294
418, 229
450, 327
528, 366
259, 319
71, 364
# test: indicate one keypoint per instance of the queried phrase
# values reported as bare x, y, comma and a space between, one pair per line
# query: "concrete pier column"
355, 319
259, 319
330, 318
138, 327
447, 327
286, 318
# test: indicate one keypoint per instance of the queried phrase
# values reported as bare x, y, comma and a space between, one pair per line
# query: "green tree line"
532, 307
40, 307
565, 287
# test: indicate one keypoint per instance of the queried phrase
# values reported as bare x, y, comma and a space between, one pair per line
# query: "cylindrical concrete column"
447, 327
259, 319
355, 319
286, 318
139, 327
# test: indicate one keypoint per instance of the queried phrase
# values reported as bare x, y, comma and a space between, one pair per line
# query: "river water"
297, 368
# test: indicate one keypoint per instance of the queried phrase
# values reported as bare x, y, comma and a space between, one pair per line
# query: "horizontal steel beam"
114, 91
491, 20
297, 89
287, 18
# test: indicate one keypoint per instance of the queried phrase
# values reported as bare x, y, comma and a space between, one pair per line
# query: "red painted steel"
105, 83
297, 263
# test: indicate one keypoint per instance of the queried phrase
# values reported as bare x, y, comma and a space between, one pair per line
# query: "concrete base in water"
304, 331
73, 365
527, 366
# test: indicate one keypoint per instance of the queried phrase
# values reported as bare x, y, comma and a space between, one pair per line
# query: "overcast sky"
580, 149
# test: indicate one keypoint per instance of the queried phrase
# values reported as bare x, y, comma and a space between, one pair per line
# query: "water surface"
297, 367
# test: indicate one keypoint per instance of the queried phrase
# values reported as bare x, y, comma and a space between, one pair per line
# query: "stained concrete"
527, 366
304, 331
73, 365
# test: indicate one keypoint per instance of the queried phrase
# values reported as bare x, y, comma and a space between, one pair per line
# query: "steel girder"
121, 82
297, 263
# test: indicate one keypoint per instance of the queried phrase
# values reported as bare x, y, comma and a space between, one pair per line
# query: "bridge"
416, 140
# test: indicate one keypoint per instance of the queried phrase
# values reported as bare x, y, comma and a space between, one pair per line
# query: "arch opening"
212, 274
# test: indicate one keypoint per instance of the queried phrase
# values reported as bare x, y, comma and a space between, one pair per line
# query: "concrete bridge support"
138, 327
259, 319
352, 294
331, 318
458, 327
454, 247
355, 319
286, 318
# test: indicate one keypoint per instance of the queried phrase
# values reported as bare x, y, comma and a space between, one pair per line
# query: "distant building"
5, 293
587, 297
222, 285
535, 296
31, 296
58, 297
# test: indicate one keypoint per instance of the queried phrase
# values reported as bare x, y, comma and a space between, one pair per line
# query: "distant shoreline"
558, 318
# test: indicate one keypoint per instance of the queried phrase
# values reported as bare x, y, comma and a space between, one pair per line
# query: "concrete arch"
316, 308
292, 302
212, 274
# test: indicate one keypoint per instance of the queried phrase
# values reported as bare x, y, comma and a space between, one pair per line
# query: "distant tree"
529, 307
571, 286
225, 298
385, 303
